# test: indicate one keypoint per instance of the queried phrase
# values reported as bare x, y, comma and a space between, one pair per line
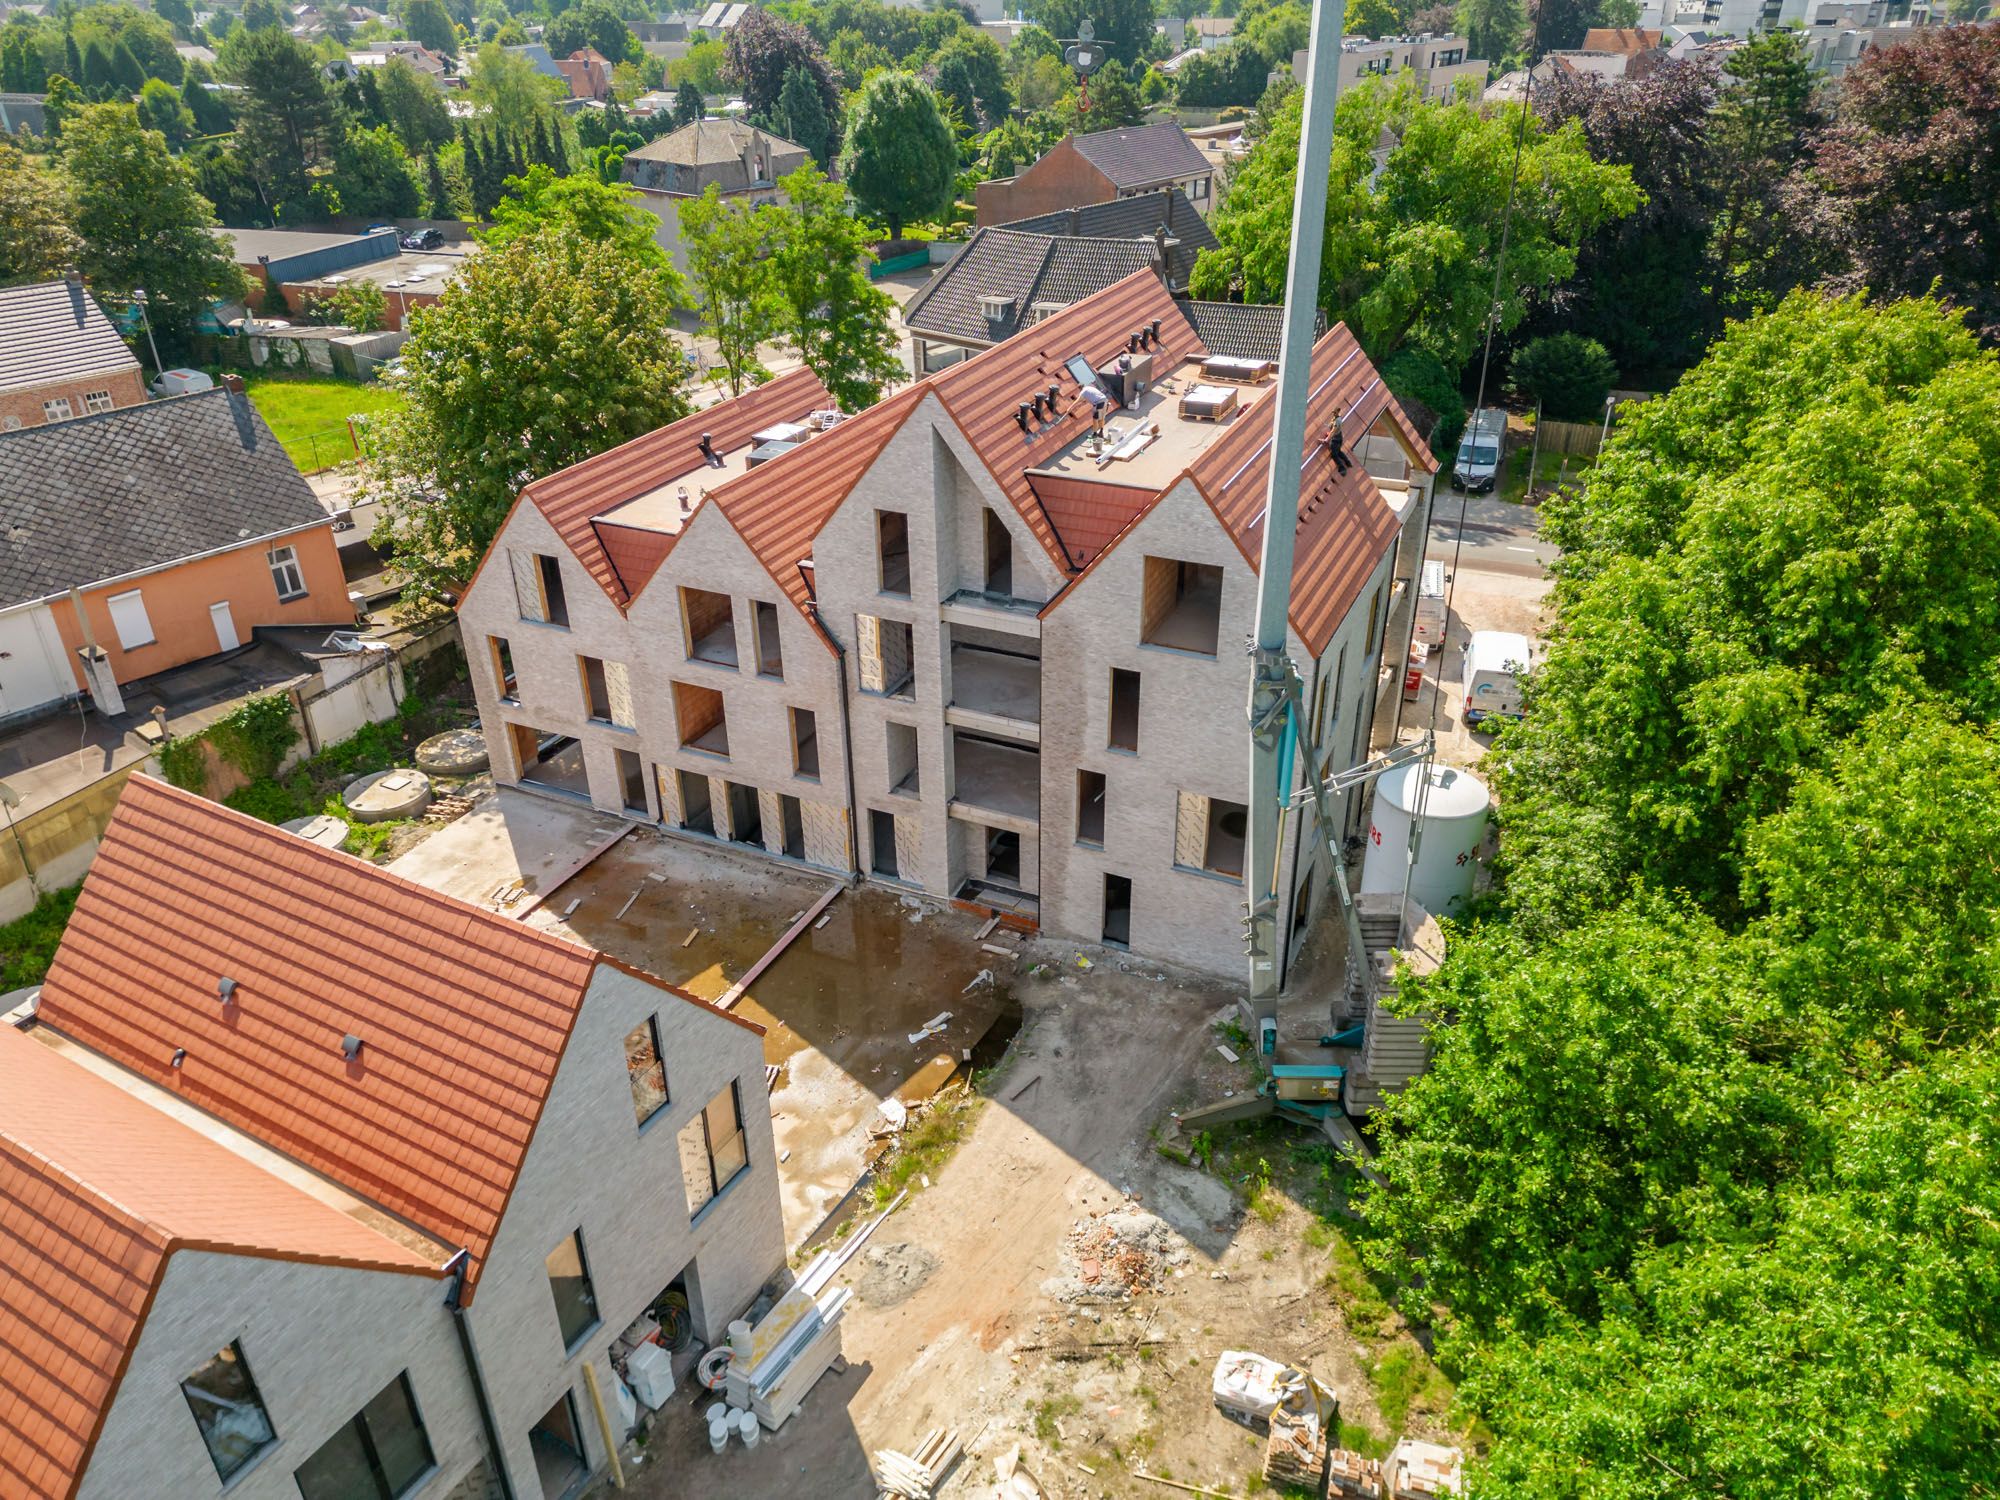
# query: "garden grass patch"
308, 414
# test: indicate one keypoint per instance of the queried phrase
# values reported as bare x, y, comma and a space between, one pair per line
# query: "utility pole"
1273, 740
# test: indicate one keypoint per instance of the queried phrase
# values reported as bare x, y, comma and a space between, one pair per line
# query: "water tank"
1455, 811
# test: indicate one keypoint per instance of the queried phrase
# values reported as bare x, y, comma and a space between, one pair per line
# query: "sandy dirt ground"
1063, 1285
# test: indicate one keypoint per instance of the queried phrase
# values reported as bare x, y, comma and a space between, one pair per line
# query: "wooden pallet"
904, 1476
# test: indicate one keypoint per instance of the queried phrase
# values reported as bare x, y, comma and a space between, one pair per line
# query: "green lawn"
309, 413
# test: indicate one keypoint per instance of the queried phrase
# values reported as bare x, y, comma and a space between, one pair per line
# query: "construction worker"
1335, 446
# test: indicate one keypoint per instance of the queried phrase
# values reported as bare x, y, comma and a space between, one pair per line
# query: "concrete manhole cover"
400, 793
456, 752
894, 1274
323, 829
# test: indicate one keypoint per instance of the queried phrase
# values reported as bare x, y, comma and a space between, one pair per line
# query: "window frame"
371, 1450
111, 603
280, 560
95, 402
651, 1026
717, 1184
57, 409
234, 1351
506, 677
572, 1341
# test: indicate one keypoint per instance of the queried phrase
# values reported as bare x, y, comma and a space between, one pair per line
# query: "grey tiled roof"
99, 497
1025, 269
1252, 331
1137, 217
710, 151
1139, 156
53, 331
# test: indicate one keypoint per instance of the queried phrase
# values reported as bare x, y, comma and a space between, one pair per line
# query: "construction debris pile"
1116, 1255
1414, 1470
905, 1476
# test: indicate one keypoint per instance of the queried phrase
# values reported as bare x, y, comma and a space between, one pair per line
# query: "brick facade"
25, 405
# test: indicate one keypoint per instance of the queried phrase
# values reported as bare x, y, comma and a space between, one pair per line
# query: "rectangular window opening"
1090, 808
1228, 827
792, 814
1181, 605
882, 844
228, 1411
905, 772
1117, 911
505, 682
703, 723
646, 1069
555, 608
999, 558
886, 653
129, 619
710, 626
97, 401
805, 743
714, 1149
569, 1282
286, 573
892, 537
697, 807
746, 816
380, 1454
1124, 710
770, 643
632, 781
57, 410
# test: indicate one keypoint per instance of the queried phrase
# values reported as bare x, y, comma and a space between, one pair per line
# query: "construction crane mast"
1275, 724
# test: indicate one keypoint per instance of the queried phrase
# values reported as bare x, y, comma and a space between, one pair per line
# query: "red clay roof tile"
97, 1189
463, 1014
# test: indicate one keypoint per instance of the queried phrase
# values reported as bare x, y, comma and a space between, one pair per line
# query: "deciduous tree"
604, 369
900, 161
728, 243
38, 240
506, 85
839, 322
590, 23
412, 106
142, 221
761, 49
428, 22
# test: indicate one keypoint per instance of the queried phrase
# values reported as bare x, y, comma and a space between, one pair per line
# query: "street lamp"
1609, 402
139, 301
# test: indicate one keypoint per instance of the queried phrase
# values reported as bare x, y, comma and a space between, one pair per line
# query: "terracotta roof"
97, 1190
1088, 513
570, 498
983, 393
1628, 40
779, 507
1343, 521
463, 1014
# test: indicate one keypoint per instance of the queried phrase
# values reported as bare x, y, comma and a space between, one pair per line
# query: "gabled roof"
1134, 218
1143, 156
570, 498
687, 160
463, 1014
55, 330
1024, 269
1629, 40
140, 487
1343, 522
1243, 330
97, 1190
1088, 514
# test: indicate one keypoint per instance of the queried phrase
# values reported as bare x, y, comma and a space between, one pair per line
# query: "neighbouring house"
319, 1184
1438, 62
1207, 33
949, 645
180, 526
432, 65
24, 112
738, 159
721, 16
61, 357
587, 72
306, 265
1084, 169
1010, 277
1642, 48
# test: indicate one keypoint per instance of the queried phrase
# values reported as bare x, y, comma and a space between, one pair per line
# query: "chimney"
233, 384
1156, 330
1055, 393
1021, 415
1039, 398
1131, 343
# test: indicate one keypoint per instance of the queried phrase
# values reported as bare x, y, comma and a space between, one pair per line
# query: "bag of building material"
1248, 1387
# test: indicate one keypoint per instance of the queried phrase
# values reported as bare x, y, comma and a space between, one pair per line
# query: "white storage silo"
1455, 809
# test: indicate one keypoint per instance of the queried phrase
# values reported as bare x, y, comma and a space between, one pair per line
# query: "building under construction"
985, 640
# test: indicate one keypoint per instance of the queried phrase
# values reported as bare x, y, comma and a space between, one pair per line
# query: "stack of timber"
916, 1476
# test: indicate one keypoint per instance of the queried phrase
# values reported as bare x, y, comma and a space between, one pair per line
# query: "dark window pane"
645, 1069
340, 1470
227, 1409
401, 1449
569, 1280
727, 1152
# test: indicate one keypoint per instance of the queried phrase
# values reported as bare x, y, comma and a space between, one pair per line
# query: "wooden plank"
569, 872
987, 931
735, 992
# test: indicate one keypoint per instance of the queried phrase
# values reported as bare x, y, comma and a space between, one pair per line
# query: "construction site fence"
53, 846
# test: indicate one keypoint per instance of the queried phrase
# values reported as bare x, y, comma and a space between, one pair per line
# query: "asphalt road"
1500, 539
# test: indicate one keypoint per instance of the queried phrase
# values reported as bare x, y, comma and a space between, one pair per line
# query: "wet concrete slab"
839, 1005
509, 836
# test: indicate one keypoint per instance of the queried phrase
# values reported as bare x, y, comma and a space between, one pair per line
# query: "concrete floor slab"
992, 682
509, 836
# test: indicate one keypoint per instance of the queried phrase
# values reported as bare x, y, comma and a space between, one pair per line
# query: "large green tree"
729, 243
1123, 27
38, 240
413, 107
590, 23
428, 22
372, 178
142, 220
801, 115
289, 125
609, 213
1409, 256
1761, 121
841, 324
506, 85
544, 351
900, 161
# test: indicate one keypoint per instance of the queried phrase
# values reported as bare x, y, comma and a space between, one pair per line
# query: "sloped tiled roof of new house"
462, 1014
98, 1189
54, 330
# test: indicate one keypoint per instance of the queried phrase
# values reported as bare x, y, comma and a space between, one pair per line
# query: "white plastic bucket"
739, 1338
718, 1436
746, 1423
719, 1412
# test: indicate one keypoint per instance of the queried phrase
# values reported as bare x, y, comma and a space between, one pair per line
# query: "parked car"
1494, 662
424, 239
1478, 464
181, 383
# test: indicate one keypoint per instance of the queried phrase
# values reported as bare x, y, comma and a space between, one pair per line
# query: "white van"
181, 383
1477, 466
1430, 622
1494, 662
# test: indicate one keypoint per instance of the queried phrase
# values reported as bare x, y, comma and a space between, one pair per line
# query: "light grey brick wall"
320, 1342
593, 1167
